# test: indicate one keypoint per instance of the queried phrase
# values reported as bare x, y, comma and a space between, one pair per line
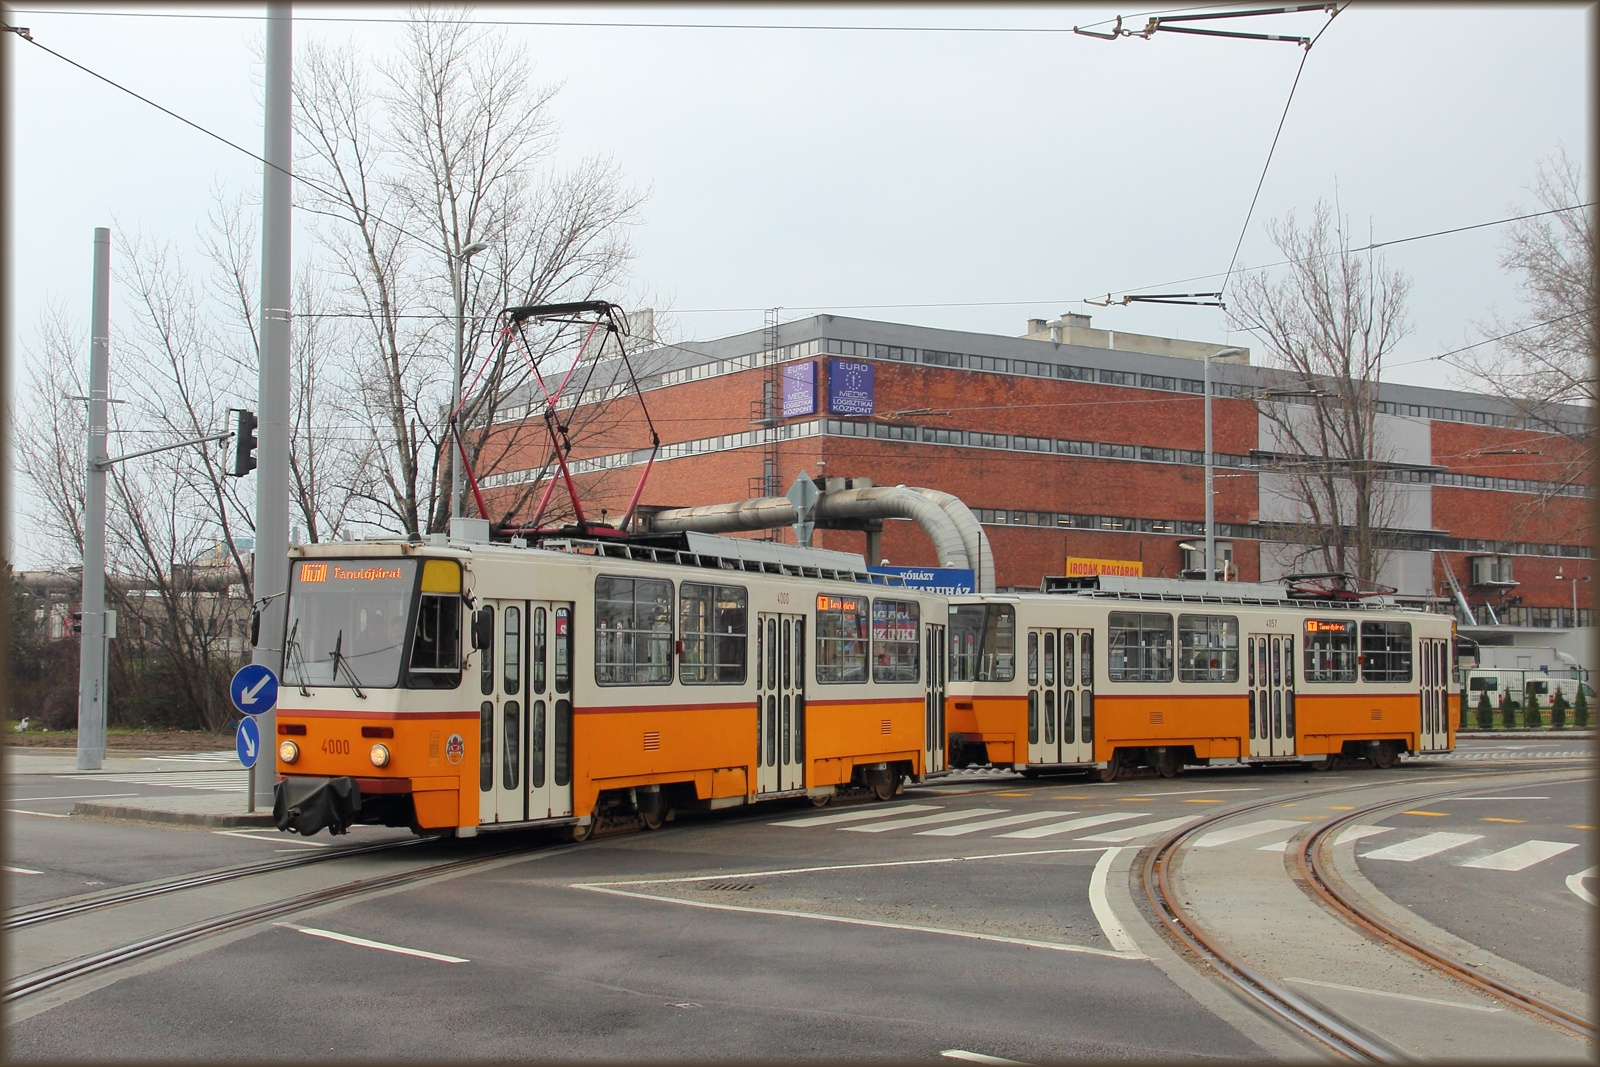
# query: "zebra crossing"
219, 781
932, 820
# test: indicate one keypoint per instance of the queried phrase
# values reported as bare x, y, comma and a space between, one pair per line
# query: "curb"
1522, 735
128, 813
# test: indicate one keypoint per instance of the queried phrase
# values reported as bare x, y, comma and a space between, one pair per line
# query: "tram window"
1330, 652
563, 650
563, 753
1141, 646
536, 745
983, 642
536, 659
1208, 648
1066, 663
486, 746
1386, 651
436, 650
510, 771
512, 661
632, 631
1033, 657
712, 626
800, 690
1049, 659
486, 656
896, 651
841, 639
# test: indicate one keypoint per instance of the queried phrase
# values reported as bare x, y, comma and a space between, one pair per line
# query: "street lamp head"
1227, 352
474, 248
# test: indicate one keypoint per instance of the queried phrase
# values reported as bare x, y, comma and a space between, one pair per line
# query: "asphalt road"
967, 915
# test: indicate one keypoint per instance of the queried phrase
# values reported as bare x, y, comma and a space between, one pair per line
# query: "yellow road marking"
1202, 800
1435, 814
1009, 794
1070, 796
1134, 800
1341, 807
1491, 818
1579, 826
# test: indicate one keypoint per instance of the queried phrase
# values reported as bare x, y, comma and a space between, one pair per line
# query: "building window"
983, 643
988, 440
936, 358
1110, 451
847, 348
841, 639
1075, 448
1386, 651
895, 644
632, 631
902, 355
1140, 646
943, 437
1208, 648
1075, 374
1158, 455
1330, 654
712, 626
888, 432
989, 363
1118, 377
1028, 366
1157, 381
1032, 444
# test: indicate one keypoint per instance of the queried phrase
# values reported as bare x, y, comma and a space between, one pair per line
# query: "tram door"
935, 660
1060, 697
1433, 656
525, 719
780, 702
1270, 673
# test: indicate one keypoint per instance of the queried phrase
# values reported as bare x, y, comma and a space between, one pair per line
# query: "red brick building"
1083, 444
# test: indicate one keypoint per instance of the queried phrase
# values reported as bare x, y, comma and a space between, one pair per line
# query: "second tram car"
1123, 673
452, 685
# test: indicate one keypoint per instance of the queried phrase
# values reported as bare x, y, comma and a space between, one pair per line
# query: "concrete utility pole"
1211, 514
455, 385
272, 474
92, 650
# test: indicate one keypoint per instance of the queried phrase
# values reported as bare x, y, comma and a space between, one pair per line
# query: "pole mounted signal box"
244, 442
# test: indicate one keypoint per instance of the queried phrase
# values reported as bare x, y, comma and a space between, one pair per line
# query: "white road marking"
1102, 906
974, 1057
217, 781
85, 796
1360, 830
219, 756
991, 824
1229, 835
381, 946
1276, 846
1393, 996
277, 835
1575, 883
1494, 798
1422, 847
1186, 792
43, 814
20, 870
1521, 856
875, 923
1051, 829
855, 816
1133, 833
924, 820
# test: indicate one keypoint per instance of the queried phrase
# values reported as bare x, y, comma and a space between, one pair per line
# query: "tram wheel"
1325, 763
1385, 756
885, 790
822, 800
1169, 766
653, 820
1111, 771
580, 832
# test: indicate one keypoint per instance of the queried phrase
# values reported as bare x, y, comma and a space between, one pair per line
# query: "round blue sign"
254, 689
248, 742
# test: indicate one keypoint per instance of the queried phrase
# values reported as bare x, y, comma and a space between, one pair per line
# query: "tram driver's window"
436, 645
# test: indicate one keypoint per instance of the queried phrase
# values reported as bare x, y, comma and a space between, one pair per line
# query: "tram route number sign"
248, 741
254, 689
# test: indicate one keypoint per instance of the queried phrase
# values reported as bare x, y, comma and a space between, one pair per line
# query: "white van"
1518, 683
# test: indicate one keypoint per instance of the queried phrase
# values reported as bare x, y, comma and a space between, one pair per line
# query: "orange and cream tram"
1111, 674
449, 685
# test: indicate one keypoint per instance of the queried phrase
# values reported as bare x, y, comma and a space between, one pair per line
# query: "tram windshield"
347, 622
983, 642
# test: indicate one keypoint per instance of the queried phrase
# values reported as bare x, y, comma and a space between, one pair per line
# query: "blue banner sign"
800, 389
932, 579
849, 387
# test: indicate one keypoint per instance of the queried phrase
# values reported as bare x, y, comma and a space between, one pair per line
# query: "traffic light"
77, 622
244, 442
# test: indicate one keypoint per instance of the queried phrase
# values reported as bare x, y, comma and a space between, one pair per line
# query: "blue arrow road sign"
254, 689
248, 742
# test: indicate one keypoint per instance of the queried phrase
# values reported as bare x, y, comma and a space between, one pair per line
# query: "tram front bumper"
304, 805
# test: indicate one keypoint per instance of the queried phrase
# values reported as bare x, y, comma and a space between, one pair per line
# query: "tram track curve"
1325, 1026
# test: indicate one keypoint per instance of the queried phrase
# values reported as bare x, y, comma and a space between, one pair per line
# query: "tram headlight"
288, 752
380, 756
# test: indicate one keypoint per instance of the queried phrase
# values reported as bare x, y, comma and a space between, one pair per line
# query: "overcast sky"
969, 179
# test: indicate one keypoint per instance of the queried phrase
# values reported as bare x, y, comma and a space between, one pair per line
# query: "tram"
449, 685
1112, 675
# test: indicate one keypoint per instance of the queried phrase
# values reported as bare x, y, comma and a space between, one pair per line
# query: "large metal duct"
972, 536
878, 502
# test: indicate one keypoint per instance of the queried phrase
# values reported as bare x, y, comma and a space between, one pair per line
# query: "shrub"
1532, 718
1508, 711
1485, 711
1580, 710
1558, 711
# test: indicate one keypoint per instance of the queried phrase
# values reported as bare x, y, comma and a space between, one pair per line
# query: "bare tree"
1545, 356
1328, 323
448, 144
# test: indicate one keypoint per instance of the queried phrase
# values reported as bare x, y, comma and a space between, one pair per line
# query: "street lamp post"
455, 391
1560, 577
1211, 516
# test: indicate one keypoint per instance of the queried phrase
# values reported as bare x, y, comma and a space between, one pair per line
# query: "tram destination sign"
849, 387
932, 579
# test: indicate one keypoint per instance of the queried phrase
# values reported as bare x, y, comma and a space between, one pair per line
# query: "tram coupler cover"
305, 805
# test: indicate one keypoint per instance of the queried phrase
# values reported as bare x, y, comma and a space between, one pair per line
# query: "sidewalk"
190, 804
